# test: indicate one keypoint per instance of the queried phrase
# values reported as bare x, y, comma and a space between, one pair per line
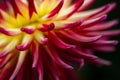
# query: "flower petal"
35, 53
86, 5
56, 9
46, 27
9, 32
80, 38
91, 13
19, 64
26, 43
71, 10
9, 48
67, 25
15, 7
28, 29
53, 54
58, 42
40, 38
92, 22
102, 26
31, 7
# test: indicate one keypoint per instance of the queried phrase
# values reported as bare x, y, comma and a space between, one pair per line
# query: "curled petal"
81, 64
41, 38
29, 29
26, 43
46, 27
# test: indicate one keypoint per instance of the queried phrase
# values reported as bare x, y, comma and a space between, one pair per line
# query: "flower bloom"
39, 39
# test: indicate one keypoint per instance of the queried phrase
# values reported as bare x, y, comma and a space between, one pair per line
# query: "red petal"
80, 38
31, 7
104, 33
86, 5
92, 22
46, 27
40, 64
102, 26
54, 55
26, 43
76, 5
9, 32
29, 29
35, 53
15, 7
56, 9
3, 6
63, 25
58, 42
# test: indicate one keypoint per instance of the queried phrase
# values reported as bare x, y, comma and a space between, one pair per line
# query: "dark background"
91, 72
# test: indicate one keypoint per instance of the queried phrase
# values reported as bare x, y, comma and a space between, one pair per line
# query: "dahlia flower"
40, 39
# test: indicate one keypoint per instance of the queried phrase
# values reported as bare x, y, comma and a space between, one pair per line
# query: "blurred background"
91, 72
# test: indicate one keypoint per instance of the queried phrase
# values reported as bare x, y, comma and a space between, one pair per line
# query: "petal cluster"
40, 39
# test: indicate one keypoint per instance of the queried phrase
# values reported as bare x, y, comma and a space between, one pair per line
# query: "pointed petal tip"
115, 42
47, 27
31, 6
102, 62
103, 17
113, 4
19, 47
44, 41
56, 9
69, 47
115, 22
22, 47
